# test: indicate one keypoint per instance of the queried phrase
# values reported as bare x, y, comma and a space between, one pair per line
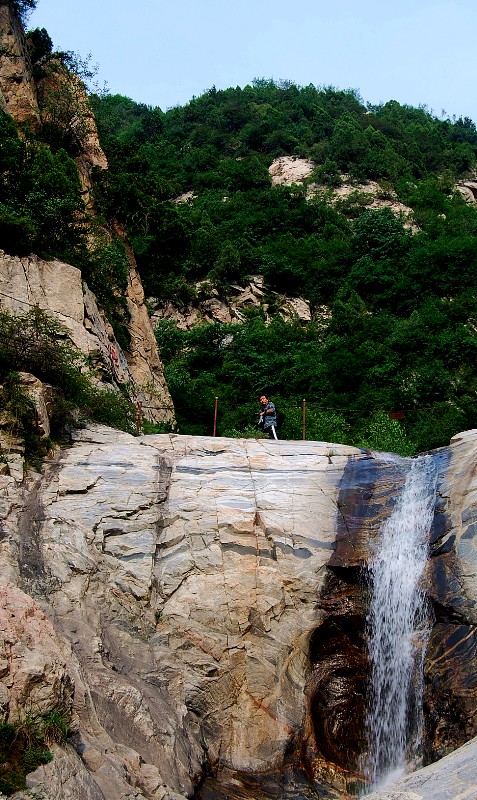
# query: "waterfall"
397, 628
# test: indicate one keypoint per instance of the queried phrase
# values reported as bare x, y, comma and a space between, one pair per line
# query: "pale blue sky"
162, 52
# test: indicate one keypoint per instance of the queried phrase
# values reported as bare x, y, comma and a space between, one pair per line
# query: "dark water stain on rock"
451, 691
367, 497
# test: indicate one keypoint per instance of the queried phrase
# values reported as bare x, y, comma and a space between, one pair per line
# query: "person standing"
268, 417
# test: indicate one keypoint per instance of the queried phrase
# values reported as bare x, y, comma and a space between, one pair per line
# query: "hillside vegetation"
393, 303
400, 331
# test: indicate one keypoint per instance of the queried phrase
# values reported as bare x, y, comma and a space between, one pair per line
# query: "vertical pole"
139, 418
215, 416
303, 419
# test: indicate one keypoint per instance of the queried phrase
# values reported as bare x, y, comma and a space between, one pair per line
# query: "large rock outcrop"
58, 289
183, 572
18, 95
207, 605
60, 98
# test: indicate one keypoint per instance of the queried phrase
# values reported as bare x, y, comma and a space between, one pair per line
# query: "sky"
164, 52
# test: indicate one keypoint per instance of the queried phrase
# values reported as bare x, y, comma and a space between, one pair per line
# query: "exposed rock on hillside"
58, 289
17, 88
372, 196
286, 170
230, 305
202, 593
468, 190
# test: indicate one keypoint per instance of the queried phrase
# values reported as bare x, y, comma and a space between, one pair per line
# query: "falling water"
397, 626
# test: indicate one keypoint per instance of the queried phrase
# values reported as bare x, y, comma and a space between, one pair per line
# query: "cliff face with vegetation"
17, 88
48, 207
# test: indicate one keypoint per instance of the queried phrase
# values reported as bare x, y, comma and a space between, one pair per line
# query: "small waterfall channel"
397, 628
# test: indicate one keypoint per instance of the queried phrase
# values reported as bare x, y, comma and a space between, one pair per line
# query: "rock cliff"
18, 96
203, 612
57, 287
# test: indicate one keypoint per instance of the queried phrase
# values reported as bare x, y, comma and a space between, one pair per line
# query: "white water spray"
398, 628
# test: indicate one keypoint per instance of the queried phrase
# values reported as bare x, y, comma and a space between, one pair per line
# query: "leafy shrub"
41, 205
35, 342
24, 746
24, 8
247, 432
18, 232
106, 270
387, 435
40, 47
19, 410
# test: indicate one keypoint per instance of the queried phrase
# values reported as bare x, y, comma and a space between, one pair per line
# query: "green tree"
24, 8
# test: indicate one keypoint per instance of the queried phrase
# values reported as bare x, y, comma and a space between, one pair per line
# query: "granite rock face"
183, 574
203, 600
18, 95
57, 288
32, 660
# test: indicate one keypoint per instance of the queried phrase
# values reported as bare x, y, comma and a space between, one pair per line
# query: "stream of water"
397, 627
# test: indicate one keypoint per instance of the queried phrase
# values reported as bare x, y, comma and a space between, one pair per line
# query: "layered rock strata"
208, 609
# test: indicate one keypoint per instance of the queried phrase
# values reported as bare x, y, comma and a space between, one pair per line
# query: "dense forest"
400, 332
394, 304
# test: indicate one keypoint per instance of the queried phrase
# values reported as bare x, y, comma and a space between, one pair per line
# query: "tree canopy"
400, 333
